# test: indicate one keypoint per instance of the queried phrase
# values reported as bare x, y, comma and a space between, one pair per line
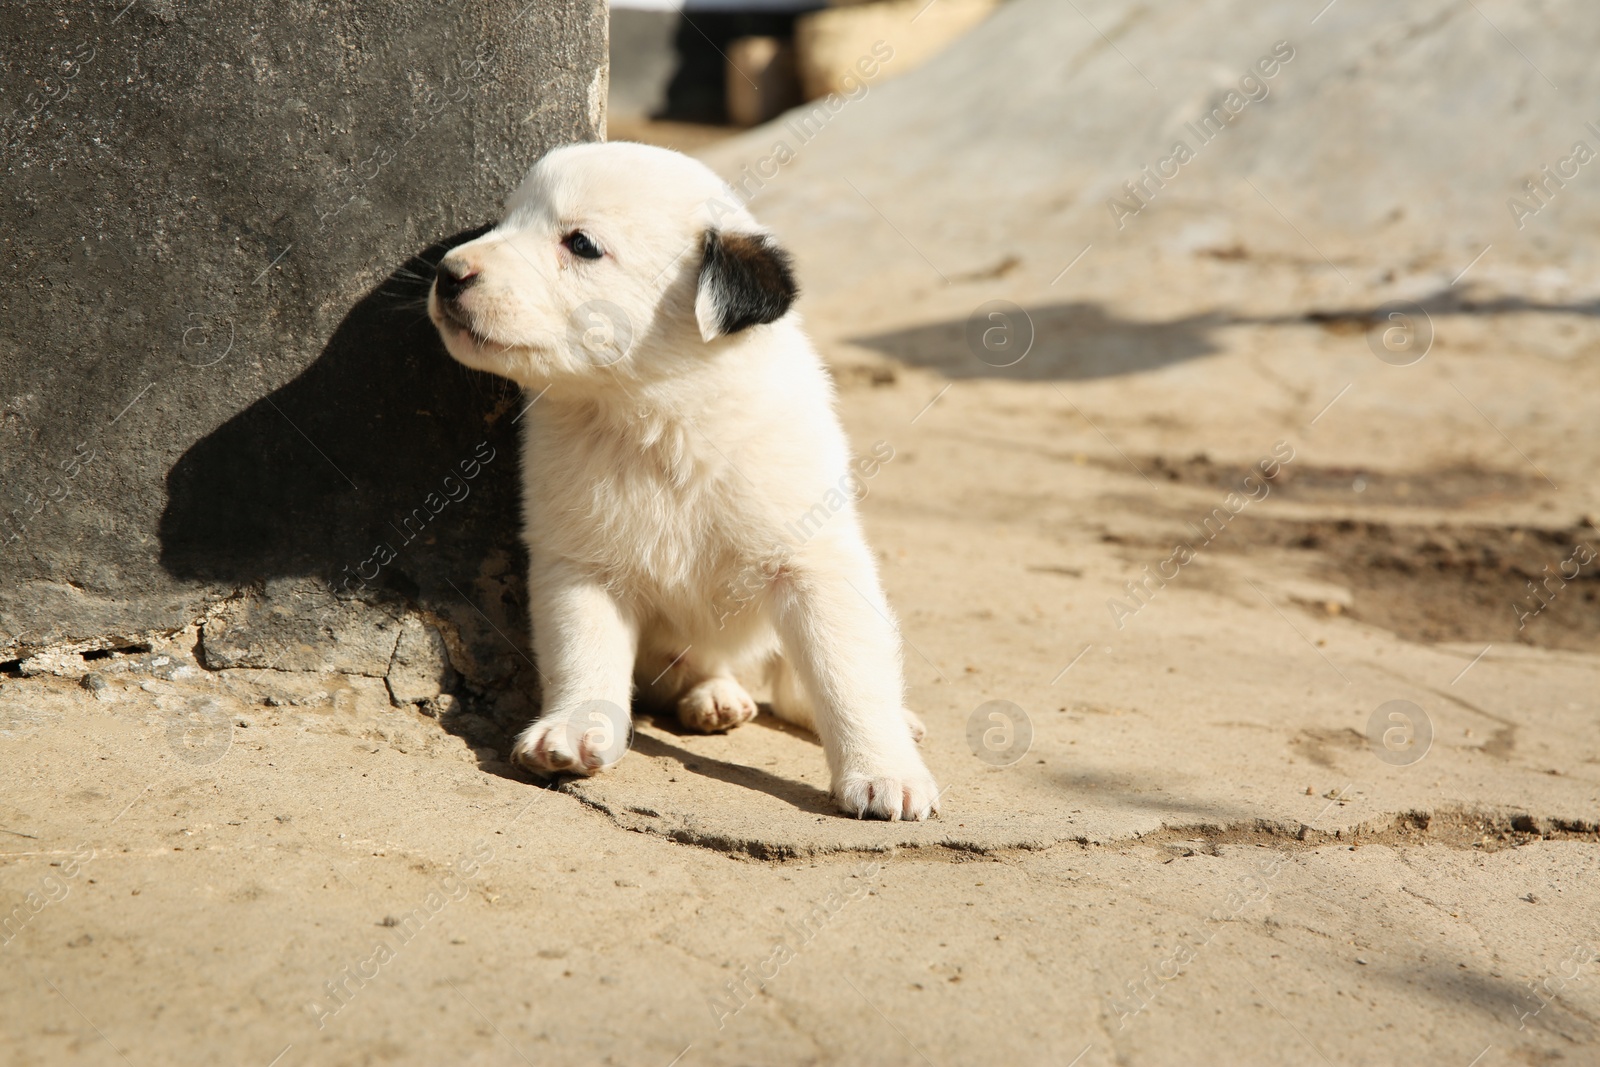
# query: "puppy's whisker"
409, 293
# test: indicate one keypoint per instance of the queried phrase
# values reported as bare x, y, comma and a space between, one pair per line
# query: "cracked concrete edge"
878, 837
1489, 828
162, 650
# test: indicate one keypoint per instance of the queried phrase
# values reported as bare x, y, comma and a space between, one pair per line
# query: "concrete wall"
219, 395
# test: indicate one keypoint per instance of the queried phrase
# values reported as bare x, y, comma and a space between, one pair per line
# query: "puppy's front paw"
888, 789
580, 740
714, 705
915, 725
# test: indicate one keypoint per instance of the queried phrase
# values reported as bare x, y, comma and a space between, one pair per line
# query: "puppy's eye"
582, 245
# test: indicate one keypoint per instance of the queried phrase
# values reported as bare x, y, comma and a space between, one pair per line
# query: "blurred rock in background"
828, 44
674, 63
762, 83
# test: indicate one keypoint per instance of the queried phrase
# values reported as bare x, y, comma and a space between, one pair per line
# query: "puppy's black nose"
449, 284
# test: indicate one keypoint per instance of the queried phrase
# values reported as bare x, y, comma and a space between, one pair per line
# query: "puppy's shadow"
383, 470
664, 717
805, 797
305, 480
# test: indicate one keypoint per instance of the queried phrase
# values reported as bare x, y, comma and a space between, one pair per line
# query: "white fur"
660, 482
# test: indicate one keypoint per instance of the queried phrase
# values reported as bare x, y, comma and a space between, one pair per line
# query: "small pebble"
93, 682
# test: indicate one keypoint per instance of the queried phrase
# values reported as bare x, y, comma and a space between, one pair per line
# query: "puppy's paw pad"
911, 794
566, 744
715, 705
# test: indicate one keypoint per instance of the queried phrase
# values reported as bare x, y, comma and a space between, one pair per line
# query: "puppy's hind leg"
715, 703
706, 695
790, 701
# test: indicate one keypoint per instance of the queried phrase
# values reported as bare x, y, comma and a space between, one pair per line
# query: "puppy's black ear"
745, 279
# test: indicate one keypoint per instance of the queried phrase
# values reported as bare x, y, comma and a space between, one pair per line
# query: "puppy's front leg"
585, 642
838, 632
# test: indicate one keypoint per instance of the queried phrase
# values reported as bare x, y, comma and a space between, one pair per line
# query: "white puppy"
684, 427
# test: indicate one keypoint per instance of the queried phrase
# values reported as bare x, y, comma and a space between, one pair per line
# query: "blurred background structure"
681, 64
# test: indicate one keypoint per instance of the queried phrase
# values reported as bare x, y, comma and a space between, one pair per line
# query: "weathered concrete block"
299, 626
214, 368
420, 669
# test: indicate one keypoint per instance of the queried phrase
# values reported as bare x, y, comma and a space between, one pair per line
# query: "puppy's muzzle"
448, 285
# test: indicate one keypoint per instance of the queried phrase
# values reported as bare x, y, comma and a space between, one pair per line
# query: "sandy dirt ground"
1324, 790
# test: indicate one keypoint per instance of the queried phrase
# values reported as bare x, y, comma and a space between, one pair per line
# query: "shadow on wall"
385, 471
